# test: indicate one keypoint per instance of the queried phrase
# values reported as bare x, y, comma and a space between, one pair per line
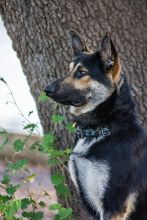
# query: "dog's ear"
77, 43
107, 52
109, 58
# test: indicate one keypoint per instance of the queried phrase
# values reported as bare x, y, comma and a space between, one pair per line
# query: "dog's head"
91, 78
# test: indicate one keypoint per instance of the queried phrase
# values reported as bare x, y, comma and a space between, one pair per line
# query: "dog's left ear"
110, 59
77, 43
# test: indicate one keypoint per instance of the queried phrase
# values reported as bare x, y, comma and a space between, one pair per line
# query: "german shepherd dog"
108, 165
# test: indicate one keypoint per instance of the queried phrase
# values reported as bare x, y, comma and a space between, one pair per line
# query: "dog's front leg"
119, 216
107, 216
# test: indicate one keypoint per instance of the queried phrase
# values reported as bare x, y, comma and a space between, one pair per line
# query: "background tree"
39, 31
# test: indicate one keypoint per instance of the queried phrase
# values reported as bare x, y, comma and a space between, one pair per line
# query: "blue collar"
100, 132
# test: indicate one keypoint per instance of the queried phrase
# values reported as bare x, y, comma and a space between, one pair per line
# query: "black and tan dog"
108, 164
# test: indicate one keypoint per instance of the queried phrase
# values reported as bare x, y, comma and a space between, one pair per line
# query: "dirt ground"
37, 188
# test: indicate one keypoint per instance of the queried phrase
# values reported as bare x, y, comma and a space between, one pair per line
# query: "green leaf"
42, 97
35, 145
70, 128
27, 214
57, 118
57, 179
4, 143
33, 215
3, 131
55, 206
42, 204
52, 162
4, 199
62, 189
11, 209
6, 179
68, 151
5, 135
2, 207
19, 164
31, 112
12, 189
57, 217
18, 145
48, 139
30, 126
48, 142
25, 203
38, 216
65, 213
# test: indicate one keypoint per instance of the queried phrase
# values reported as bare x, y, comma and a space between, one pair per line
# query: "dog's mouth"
76, 103
68, 97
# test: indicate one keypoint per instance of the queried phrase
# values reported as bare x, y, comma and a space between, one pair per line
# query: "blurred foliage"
12, 208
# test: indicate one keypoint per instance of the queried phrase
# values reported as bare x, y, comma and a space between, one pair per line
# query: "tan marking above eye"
71, 66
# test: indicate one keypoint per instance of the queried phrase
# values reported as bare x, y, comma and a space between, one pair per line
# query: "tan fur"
83, 83
128, 208
114, 72
88, 50
78, 66
74, 68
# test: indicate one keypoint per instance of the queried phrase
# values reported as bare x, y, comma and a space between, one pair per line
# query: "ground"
36, 188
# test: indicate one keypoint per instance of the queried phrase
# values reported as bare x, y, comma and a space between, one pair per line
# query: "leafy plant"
12, 208
5, 135
63, 213
43, 97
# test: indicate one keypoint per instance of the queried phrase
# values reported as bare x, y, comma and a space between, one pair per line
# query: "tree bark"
39, 32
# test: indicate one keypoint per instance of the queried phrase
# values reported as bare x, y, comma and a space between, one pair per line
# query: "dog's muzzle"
51, 89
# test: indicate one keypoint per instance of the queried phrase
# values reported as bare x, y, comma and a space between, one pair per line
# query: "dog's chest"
89, 176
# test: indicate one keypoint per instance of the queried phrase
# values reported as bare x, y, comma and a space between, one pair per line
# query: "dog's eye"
79, 74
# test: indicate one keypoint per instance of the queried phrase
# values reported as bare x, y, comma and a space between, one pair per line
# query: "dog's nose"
49, 90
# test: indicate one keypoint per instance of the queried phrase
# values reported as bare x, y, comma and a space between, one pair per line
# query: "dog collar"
100, 132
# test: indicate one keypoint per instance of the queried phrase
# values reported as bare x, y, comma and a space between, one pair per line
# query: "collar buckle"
105, 132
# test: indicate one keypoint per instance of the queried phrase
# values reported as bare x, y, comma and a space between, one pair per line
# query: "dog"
108, 165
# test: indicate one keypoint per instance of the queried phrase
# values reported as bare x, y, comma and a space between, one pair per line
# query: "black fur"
125, 149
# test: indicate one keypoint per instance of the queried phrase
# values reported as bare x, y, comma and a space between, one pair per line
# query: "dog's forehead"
85, 59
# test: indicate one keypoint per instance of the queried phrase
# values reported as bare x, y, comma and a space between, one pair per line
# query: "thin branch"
15, 103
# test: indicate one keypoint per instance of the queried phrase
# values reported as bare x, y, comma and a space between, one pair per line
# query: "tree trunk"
39, 31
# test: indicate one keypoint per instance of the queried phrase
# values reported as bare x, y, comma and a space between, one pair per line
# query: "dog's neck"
118, 109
